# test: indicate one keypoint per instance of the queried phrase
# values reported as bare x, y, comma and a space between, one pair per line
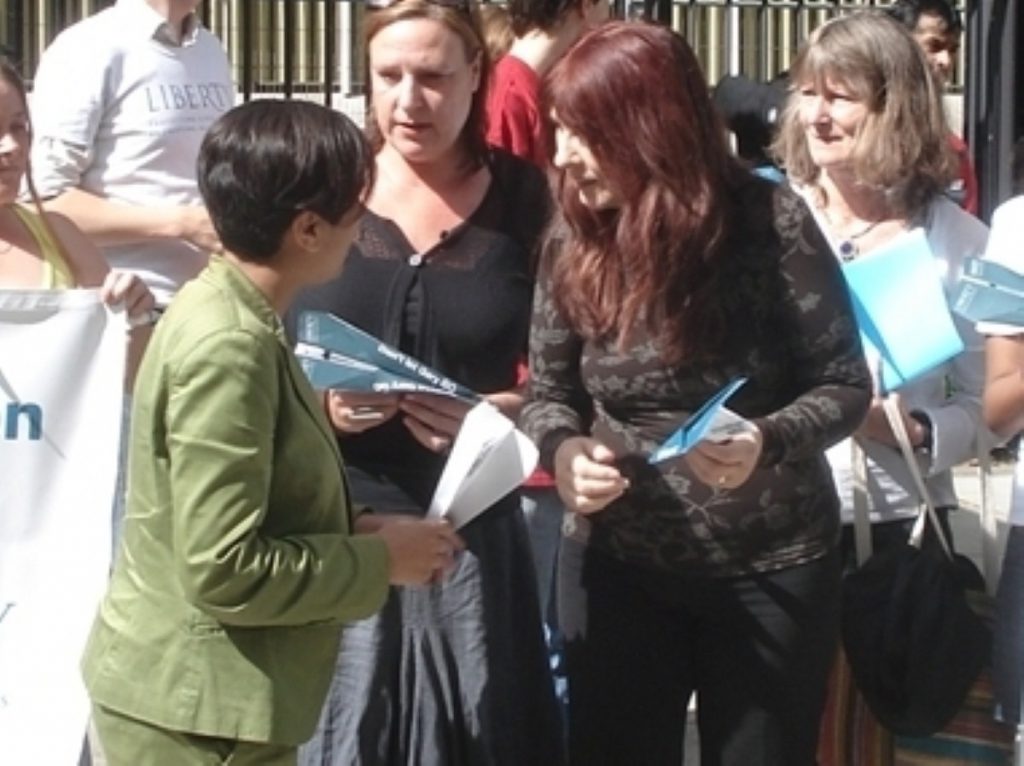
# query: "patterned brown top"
791, 332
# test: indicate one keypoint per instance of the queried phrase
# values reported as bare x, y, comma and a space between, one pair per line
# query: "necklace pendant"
847, 250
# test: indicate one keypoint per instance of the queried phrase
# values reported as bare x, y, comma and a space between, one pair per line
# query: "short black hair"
266, 161
528, 15
751, 110
909, 12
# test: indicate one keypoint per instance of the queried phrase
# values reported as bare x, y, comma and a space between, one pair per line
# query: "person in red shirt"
937, 28
544, 30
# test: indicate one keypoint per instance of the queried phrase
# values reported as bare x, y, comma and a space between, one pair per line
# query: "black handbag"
914, 644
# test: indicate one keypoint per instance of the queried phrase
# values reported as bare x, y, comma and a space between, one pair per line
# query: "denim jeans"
543, 511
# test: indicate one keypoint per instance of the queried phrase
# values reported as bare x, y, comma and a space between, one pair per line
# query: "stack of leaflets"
336, 354
989, 292
489, 458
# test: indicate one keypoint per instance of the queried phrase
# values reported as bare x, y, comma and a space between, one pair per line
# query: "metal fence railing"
312, 48
758, 38
276, 47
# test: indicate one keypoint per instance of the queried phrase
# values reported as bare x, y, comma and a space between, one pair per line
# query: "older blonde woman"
863, 139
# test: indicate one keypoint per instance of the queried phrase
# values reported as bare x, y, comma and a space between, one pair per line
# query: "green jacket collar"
224, 271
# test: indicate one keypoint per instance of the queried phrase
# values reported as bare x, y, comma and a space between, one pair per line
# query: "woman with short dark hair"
676, 272
239, 565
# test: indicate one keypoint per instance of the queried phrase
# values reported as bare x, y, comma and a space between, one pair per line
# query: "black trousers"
1008, 647
756, 651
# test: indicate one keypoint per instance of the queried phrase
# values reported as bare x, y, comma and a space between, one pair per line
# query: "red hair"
635, 94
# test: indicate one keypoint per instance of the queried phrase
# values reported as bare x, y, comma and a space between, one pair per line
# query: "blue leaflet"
696, 426
901, 309
336, 354
990, 292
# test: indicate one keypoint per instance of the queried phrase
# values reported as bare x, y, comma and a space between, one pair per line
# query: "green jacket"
237, 567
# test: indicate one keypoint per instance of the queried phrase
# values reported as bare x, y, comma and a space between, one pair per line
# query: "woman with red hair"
673, 273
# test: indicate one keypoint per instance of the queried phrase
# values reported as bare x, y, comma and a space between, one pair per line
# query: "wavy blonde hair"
903, 146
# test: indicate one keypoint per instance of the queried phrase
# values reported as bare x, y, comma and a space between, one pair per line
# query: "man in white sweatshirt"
121, 102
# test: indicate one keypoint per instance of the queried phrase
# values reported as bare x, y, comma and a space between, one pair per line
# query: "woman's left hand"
433, 419
727, 464
875, 425
122, 287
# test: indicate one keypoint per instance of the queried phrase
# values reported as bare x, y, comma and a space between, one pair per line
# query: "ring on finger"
365, 412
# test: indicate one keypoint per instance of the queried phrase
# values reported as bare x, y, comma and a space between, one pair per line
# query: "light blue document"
699, 425
990, 292
336, 354
901, 309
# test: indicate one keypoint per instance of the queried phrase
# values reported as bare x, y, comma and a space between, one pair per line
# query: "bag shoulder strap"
861, 519
898, 427
991, 551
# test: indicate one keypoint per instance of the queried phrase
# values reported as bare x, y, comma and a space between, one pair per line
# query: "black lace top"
790, 331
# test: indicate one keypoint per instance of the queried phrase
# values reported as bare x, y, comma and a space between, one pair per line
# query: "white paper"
489, 459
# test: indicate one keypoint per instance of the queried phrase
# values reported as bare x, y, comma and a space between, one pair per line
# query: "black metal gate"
311, 49
287, 48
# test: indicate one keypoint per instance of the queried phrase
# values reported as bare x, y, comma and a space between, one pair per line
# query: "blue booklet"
336, 354
990, 292
901, 309
700, 425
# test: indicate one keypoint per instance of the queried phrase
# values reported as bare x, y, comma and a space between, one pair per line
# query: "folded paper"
489, 459
901, 310
336, 354
711, 421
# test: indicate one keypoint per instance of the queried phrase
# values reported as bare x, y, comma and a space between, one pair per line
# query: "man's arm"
114, 223
66, 122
